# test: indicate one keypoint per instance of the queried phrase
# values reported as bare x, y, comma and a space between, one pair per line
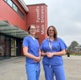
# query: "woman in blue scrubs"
32, 53
52, 50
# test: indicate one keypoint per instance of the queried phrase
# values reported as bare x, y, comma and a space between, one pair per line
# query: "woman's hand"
49, 54
37, 59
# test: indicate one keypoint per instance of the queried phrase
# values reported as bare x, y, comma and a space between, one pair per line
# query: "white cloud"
78, 25
68, 39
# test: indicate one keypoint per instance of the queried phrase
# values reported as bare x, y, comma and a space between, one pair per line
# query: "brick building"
15, 17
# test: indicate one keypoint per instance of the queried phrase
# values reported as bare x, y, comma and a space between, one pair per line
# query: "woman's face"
32, 30
51, 31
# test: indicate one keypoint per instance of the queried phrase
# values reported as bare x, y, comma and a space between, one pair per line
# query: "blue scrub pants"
33, 71
54, 71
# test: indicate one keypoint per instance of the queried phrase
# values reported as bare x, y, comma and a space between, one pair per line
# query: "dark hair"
55, 32
30, 27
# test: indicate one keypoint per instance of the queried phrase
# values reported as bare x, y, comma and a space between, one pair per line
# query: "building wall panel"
38, 15
7, 13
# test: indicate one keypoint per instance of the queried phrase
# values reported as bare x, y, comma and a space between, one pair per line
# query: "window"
14, 7
1, 37
20, 13
5, 0
9, 2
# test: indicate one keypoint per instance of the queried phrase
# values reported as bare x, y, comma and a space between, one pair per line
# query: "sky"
65, 15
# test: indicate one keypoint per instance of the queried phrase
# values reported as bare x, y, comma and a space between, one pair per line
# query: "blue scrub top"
57, 45
33, 47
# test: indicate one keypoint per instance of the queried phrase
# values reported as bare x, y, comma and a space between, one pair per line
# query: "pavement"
14, 68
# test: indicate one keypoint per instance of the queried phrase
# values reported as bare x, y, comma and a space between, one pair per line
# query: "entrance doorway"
13, 47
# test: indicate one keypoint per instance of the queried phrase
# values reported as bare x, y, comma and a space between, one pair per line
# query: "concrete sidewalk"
14, 68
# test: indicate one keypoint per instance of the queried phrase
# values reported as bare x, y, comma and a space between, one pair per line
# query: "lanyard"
50, 45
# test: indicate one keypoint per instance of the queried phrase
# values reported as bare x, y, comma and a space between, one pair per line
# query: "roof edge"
36, 4
23, 5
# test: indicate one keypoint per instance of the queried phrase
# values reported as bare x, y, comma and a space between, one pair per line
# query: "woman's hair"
55, 32
30, 27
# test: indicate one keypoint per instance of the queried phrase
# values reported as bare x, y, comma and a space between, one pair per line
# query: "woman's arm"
25, 51
43, 53
51, 54
63, 52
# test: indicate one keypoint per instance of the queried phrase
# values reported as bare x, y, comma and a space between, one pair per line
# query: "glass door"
2, 46
7, 46
13, 47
